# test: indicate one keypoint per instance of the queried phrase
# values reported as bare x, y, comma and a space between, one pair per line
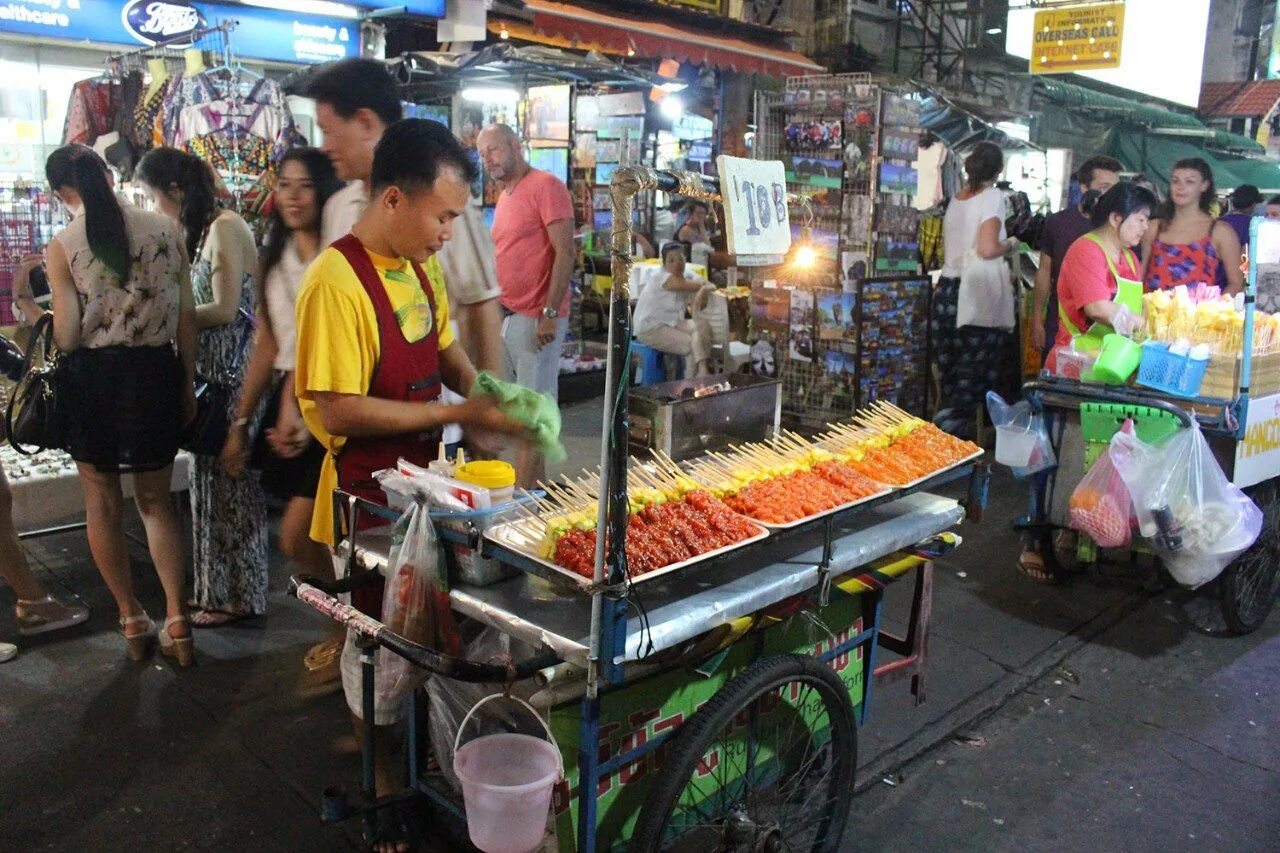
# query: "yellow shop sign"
1077, 38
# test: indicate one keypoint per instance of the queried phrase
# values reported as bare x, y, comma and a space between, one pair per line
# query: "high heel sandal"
139, 643
182, 649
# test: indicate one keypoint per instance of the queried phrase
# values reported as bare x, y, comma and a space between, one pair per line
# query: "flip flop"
8, 651
47, 614
228, 617
1033, 566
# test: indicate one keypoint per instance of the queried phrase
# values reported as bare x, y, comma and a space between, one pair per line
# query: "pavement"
1097, 715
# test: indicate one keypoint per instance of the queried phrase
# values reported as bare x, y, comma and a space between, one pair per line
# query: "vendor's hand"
290, 436
702, 296
485, 423
545, 332
235, 453
1037, 333
1125, 322
22, 275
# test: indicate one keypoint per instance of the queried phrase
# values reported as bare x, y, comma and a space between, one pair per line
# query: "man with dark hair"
375, 349
1097, 175
356, 99
1244, 203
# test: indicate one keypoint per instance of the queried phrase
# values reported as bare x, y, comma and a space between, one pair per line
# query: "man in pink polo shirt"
533, 235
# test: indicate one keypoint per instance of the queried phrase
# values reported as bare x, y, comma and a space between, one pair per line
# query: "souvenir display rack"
848, 143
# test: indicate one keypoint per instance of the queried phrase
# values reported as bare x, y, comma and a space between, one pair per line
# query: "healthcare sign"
266, 34
1077, 38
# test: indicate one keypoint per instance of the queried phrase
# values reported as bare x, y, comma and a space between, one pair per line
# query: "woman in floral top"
122, 300
229, 513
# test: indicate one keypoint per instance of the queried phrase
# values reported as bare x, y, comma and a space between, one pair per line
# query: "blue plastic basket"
1179, 375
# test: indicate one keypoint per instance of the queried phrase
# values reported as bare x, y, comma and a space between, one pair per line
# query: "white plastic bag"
1195, 519
1021, 436
986, 293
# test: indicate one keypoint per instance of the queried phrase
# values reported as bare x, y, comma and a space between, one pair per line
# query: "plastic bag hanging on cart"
1193, 516
1101, 507
415, 604
1022, 439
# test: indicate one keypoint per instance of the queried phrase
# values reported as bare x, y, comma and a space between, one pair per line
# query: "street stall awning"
622, 34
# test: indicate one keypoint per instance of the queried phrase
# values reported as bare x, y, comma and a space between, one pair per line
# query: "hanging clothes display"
91, 110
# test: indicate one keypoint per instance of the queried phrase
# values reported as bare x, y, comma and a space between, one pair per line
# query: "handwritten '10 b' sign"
755, 209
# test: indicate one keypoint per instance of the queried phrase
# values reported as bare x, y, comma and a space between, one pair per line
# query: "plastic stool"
653, 364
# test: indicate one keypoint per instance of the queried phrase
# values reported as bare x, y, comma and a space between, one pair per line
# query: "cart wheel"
766, 765
1248, 587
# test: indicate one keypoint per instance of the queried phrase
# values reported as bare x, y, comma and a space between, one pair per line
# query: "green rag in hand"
525, 406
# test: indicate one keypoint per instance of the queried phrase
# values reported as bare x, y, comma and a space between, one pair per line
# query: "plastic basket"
1100, 421
1179, 375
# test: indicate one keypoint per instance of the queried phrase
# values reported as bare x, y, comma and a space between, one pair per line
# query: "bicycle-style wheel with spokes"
766, 765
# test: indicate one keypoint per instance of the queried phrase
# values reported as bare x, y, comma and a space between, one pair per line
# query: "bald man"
533, 234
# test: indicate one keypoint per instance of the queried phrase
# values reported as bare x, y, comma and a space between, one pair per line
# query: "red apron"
408, 372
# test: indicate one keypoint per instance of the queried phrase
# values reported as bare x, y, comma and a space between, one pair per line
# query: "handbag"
986, 295
207, 432
35, 416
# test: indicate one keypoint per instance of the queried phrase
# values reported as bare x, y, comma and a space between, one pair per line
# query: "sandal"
208, 617
140, 643
47, 614
8, 651
391, 835
181, 649
1032, 564
322, 671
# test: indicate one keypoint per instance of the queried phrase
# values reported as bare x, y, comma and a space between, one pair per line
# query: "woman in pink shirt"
1094, 292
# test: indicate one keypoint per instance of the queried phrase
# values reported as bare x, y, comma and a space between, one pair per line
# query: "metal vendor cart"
714, 707
1238, 427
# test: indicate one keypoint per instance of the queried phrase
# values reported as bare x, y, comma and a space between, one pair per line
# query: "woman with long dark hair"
971, 353
229, 513
122, 301
288, 456
1186, 244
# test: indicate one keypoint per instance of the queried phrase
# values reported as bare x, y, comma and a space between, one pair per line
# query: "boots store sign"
266, 34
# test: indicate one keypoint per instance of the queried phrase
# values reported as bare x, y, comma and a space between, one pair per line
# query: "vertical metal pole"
588, 773
367, 785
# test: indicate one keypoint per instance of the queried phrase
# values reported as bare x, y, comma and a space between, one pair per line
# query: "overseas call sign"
1078, 38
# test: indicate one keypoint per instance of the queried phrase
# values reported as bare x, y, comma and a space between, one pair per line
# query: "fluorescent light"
994, 31
673, 86
490, 94
308, 7
672, 107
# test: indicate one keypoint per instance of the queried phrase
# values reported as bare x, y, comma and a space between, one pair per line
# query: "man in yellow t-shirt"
375, 350
374, 343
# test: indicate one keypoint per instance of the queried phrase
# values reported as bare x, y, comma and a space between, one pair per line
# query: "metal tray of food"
918, 480
808, 518
524, 537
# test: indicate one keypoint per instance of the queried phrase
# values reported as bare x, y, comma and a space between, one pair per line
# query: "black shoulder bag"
35, 417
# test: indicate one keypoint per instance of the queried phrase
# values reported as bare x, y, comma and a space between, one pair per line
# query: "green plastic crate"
1100, 421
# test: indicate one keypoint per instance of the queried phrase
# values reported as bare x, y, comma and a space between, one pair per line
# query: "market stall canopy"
620, 33
1145, 138
962, 129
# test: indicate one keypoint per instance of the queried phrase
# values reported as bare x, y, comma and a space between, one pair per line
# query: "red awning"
1247, 99
620, 34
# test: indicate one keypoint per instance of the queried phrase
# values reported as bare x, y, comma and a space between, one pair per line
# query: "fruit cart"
712, 705
1239, 422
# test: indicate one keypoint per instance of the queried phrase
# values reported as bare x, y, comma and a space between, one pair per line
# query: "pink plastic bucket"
507, 781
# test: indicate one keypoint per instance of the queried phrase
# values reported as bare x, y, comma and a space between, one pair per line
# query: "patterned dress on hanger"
229, 514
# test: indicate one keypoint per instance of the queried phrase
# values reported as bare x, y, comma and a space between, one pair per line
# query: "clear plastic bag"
1194, 517
449, 700
1100, 507
415, 604
1022, 439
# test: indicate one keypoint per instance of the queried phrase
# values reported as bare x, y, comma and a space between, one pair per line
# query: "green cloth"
523, 405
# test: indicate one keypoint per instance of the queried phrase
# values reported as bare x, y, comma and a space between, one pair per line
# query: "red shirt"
1086, 278
525, 253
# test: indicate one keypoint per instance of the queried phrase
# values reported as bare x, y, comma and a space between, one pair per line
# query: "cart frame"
607, 652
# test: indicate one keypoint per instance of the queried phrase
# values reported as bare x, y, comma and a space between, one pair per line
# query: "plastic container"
1072, 364
498, 477
1015, 445
1179, 375
507, 780
1117, 360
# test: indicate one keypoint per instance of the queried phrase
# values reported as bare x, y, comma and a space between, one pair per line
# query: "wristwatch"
550, 313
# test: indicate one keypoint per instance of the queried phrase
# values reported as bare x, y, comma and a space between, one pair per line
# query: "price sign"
755, 209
